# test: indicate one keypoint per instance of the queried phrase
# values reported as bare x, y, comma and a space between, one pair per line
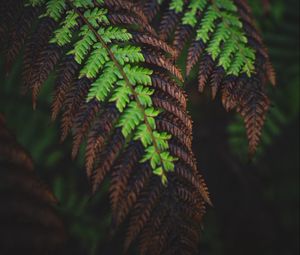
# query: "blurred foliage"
256, 207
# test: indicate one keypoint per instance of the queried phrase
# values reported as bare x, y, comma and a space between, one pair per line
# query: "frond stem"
121, 70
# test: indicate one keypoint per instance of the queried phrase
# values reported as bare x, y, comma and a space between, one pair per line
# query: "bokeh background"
256, 203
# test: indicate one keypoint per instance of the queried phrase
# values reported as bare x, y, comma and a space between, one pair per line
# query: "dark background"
256, 204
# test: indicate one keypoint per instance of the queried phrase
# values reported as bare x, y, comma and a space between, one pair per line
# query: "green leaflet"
63, 35
120, 79
219, 27
189, 17
177, 5
55, 9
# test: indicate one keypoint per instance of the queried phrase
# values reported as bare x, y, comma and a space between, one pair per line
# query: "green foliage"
107, 57
177, 5
221, 30
190, 16
55, 9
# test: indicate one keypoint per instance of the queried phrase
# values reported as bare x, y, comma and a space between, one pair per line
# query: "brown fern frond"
229, 98
127, 6
160, 61
106, 159
150, 9
195, 180
125, 19
66, 75
159, 235
123, 171
250, 100
271, 73
133, 190
29, 221
182, 35
148, 234
83, 121
17, 37
168, 23
175, 110
45, 64
75, 98
141, 213
164, 83
154, 42
33, 49
99, 136
206, 68
161, 238
174, 130
216, 81
253, 102
253, 107
195, 51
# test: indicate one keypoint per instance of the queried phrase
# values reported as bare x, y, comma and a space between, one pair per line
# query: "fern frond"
49, 57
74, 99
83, 121
18, 35
217, 25
283, 112
252, 106
150, 8
168, 23
66, 74
113, 61
29, 222
34, 48
224, 41
116, 85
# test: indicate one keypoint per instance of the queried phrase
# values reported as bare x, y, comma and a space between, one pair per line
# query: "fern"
219, 28
28, 203
222, 38
116, 72
116, 86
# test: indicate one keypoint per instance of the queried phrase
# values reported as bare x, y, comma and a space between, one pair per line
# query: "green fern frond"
107, 57
221, 30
